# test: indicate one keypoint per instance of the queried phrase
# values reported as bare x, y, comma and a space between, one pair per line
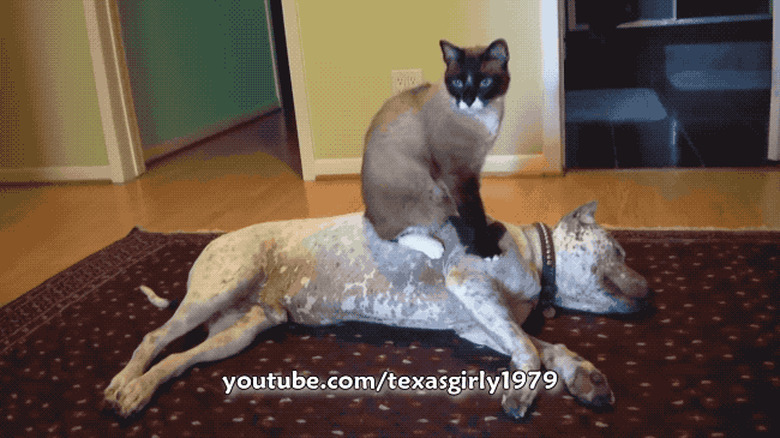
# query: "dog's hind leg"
192, 312
219, 345
147, 350
581, 377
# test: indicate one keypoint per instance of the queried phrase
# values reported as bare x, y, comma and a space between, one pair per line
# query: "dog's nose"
639, 291
644, 305
603, 400
636, 285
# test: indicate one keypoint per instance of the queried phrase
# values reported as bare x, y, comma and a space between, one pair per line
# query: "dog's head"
591, 271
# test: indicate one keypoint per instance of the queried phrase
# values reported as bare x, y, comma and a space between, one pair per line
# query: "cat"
425, 148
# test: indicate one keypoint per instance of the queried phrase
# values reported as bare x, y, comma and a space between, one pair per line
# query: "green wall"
194, 64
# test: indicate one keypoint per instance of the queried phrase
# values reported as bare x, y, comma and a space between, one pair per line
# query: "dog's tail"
156, 300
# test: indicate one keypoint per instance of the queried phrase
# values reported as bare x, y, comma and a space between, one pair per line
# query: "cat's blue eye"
457, 83
486, 82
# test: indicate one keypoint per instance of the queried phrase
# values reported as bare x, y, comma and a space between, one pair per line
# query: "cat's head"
476, 75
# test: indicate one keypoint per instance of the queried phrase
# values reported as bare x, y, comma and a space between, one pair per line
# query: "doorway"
667, 83
205, 72
282, 62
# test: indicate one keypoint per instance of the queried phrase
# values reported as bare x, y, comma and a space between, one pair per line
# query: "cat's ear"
450, 51
498, 50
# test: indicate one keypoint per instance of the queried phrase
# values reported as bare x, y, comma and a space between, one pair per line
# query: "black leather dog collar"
549, 288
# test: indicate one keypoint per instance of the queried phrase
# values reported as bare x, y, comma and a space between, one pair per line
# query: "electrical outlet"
406, 79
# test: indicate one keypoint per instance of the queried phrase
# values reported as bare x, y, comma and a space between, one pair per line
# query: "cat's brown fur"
423, 154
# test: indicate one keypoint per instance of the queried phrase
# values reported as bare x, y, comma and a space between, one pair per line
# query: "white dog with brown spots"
324, 271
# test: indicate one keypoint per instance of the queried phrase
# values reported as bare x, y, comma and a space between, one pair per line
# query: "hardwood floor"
252, 174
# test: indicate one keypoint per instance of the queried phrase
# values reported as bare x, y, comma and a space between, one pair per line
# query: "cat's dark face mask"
475, 76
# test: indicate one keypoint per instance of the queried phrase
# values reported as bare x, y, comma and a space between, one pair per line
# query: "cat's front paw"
486, 243
430, 246
487, 247
489, 250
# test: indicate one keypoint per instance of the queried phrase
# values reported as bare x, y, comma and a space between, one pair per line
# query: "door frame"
115, 100
300, 97
553, 28
773, 141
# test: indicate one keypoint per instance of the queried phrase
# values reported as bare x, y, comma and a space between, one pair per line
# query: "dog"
329, 270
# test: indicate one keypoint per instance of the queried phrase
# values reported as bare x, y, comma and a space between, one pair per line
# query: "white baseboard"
55, 174
494, 164
506, 164
158, 151
338, 166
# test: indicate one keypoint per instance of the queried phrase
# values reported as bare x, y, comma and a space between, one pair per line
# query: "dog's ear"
586, 213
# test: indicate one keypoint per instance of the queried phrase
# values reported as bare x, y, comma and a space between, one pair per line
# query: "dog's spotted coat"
322, 271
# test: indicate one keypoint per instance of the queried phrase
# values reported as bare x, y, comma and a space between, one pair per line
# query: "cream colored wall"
48, 100
349, 48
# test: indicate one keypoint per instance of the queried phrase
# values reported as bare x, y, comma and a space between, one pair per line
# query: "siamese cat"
425, 148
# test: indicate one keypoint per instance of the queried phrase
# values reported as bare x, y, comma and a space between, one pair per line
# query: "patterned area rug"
703, 364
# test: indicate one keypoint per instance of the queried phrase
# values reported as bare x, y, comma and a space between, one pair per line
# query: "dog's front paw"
517, 402
582, 379
590, 386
